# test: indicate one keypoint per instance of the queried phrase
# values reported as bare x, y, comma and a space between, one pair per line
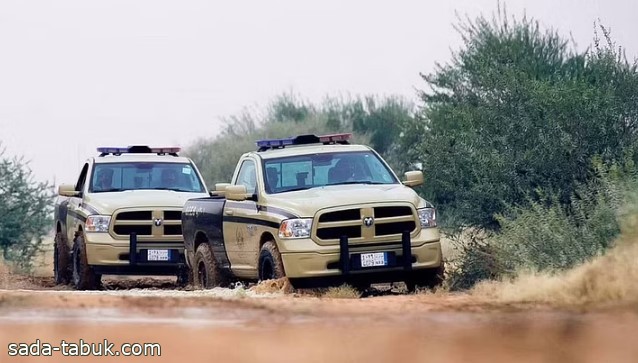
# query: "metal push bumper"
413, 253
122, 257
405, 262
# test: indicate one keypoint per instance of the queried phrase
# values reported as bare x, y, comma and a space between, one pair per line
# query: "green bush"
547, 235
518, 109
25, 211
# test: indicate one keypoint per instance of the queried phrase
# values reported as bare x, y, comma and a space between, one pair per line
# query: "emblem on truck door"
368, 221
157, 222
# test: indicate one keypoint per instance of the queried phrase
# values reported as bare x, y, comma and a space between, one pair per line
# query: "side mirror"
68, 190
220, 189
413, 178
236, 192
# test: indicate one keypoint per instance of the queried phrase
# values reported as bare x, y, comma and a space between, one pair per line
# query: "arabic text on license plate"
158, 255
373, 259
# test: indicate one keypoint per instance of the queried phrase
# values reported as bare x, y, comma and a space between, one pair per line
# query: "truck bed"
202, 221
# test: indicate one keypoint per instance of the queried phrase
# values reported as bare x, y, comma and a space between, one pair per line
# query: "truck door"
240, 232
73, 218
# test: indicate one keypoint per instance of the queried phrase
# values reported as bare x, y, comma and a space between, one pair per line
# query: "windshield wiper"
368, 182
299, 188
109, 190
173, 189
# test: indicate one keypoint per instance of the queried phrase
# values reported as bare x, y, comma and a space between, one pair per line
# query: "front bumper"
108, 255
299, 261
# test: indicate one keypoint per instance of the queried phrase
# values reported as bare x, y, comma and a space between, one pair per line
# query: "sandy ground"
265, 325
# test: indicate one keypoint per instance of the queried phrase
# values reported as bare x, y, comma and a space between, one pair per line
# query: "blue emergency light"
274, 143
303, 140
138, 149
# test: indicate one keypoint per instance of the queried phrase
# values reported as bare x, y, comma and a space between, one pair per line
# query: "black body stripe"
90, 208
275, 210
246, 220
77, 215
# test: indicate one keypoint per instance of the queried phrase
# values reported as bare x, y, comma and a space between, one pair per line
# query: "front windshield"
115, 177
318, 170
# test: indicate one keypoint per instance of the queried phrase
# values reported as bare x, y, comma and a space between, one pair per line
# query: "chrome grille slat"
389, 222
393, 220
126, 222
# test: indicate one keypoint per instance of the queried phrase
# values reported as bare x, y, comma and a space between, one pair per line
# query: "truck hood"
107, 203
306, 203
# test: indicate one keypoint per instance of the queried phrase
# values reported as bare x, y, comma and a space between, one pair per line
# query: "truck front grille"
388, 222
140, 230
148, 224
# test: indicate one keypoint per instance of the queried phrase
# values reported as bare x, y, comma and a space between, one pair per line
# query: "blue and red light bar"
274, 143
303, 140
138, 149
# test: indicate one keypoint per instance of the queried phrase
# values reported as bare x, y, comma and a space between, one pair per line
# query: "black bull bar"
345, 262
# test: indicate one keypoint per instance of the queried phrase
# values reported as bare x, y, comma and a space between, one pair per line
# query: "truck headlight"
295, 228
97, 223
427, 216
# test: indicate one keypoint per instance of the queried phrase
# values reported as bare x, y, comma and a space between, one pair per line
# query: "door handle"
229, 212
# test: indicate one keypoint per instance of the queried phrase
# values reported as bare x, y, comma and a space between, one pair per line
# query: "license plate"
374, 259
158, 255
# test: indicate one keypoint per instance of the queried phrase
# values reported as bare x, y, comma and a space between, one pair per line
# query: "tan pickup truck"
318, 210
124, 216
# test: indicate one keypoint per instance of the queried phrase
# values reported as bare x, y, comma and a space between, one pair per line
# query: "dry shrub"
273, 286
608, 278
344, 291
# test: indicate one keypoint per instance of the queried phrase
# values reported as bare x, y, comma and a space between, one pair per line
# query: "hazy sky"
75, 75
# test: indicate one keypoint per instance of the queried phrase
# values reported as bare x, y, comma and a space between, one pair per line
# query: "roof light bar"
335, 138
303, 140
268, 143
137, 149
165, 150
112, 150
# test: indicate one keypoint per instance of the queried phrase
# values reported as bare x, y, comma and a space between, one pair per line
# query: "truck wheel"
271, 267
83, 276
184, 277
429, 278
61, 265
206, 272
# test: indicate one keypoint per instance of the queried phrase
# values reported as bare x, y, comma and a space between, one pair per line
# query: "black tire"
429, 278
271, 266
206, 273
83, 276
61, 260
184, 277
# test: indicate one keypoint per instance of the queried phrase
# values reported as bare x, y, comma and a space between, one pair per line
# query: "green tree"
374, 121
380, 118
517, 110
26, 208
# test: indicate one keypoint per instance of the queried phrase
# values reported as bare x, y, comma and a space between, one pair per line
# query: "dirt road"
223, 325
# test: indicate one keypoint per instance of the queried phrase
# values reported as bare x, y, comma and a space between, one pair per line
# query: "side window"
79, 186
247, 176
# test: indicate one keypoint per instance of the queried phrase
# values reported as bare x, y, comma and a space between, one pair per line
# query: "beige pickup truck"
124, 216
317, 210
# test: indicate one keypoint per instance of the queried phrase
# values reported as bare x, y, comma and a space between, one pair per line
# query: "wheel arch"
200, 237
265, 237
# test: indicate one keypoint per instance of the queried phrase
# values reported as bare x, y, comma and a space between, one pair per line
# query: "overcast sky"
75, 75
